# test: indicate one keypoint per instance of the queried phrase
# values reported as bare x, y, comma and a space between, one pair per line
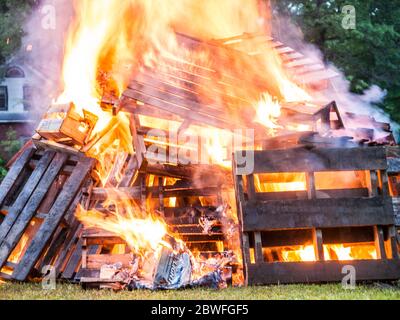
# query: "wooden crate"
62, 123
283, 218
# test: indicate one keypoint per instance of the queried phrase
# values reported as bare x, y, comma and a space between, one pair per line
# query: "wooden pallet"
276, 214
39, 196
183, 220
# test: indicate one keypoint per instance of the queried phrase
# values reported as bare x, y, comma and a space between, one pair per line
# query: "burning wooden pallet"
320, 217
39, 196
38, 199
196, 224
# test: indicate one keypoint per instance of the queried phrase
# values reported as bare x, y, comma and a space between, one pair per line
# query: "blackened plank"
14, 173
55, 215
130, 172
68, 247
319, 213
320, 159
12, 229
25, 194
321, 271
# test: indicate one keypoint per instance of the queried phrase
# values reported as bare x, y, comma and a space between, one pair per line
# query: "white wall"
15, 88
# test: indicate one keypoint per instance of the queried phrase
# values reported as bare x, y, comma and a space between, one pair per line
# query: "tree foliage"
9, 146
13, 14
369, 54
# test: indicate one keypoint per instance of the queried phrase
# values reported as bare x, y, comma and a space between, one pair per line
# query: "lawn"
304, 292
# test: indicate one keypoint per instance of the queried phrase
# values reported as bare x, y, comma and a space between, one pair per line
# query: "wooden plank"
16, 156
319, 194
258, 252
321, 271
12, 230
246, 248
310, 181
79, 269
72, 265
393, 242
96, 261
293, 237
14, 172
373, 188
393, 165
27, 194
130, 172
184, 113
318, 244
68, 249
58, 248
384, 183
58, 147
55, 215
319, 213
379, 243
102, 194
321, 159
250, 188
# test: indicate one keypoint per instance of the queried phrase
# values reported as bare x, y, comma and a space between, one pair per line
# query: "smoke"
339, 88
48, 26
43, 48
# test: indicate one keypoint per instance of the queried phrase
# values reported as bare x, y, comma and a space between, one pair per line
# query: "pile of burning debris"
186, 162
176, 268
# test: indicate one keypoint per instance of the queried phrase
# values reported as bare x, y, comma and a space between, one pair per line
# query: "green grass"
304, 292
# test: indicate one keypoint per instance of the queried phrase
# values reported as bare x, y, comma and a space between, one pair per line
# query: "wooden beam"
321, 271
14, 172
321, 159
379, 243
311, 190
319, 213
258, 252
318, 244
31, 196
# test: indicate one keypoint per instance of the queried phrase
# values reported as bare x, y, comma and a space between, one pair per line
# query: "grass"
12, 291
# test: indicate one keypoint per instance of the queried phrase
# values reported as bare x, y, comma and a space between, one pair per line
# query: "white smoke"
43, 48
291, 35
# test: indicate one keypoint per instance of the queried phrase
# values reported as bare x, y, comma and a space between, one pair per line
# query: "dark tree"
368, 54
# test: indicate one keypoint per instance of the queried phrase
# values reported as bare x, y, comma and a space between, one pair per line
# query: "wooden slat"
379, 243
27, 193
318, 244
12, 230
130, 172
319, 194
319, 213
258, 252
183, 112
68, 249
55, 215
96, 261
321, 159
327, 271
14, 172
102, 194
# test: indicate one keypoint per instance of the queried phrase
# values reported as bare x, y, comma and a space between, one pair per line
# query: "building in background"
18, 111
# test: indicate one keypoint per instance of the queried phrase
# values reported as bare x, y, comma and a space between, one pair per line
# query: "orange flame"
339, 252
